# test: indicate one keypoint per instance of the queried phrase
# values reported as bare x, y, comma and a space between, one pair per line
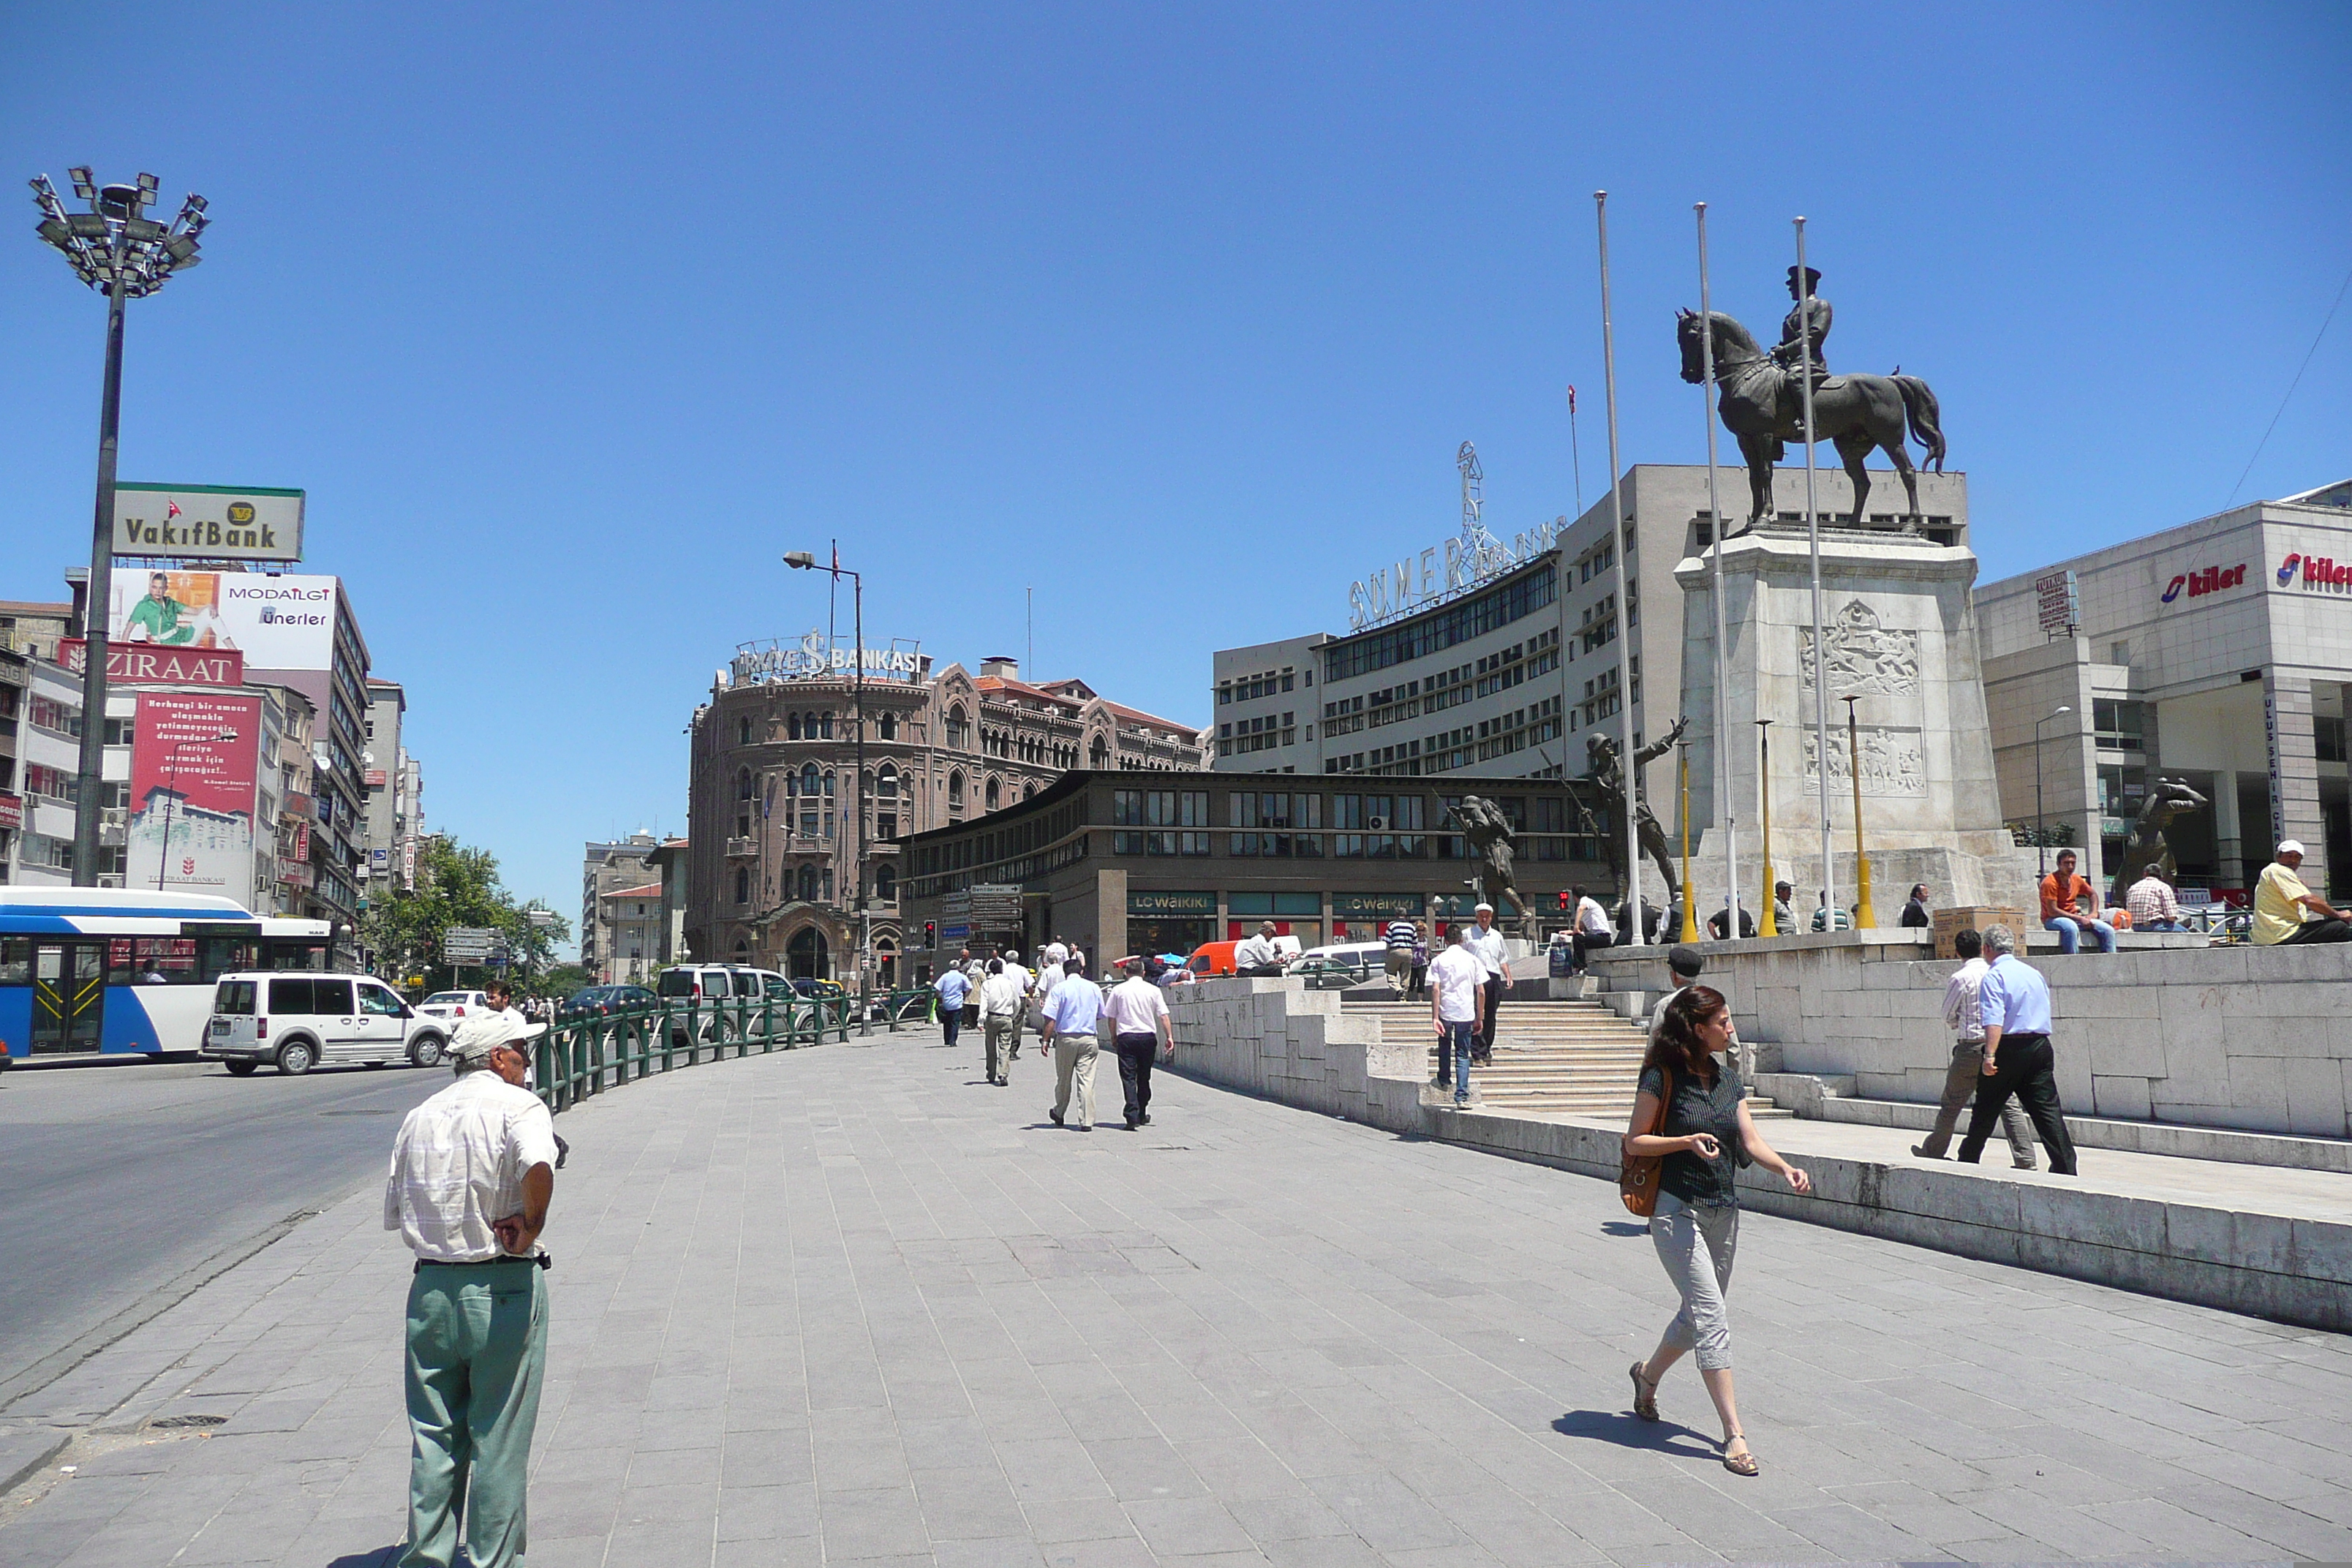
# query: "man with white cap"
2286, 910
1486, 945
472, 1175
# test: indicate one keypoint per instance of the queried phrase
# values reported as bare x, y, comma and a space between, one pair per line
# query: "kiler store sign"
2315, 571
2211, 580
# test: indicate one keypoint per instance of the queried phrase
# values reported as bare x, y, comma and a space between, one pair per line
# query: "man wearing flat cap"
1810, 319
472, 1175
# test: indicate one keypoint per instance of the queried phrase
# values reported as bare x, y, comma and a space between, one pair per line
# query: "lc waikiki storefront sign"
813, 657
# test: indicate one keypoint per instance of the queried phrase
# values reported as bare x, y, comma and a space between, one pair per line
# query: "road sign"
467, 944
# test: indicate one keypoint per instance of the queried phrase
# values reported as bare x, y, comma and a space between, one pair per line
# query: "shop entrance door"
68, 995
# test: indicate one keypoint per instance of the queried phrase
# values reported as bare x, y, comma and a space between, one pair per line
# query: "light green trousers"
477, 1356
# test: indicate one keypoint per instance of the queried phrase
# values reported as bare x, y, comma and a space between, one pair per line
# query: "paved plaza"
850, 1306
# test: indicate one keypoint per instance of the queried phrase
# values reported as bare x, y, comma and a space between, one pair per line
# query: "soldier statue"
1600, 754
1488, 830
1810, 309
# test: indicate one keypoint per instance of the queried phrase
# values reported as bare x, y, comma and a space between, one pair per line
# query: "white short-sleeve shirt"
457, 1167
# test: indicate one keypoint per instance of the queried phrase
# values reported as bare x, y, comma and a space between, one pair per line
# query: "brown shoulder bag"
1637, 1174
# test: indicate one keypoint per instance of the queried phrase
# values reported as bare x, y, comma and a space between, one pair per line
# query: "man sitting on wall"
2070, 906
2151, 903
1257, 954
2286, 910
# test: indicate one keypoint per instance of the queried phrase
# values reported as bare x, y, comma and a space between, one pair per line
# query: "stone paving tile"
841, 1307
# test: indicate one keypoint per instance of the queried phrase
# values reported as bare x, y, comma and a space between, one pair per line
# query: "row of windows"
1251, 687
1159, 808
1446, 628
1352, 845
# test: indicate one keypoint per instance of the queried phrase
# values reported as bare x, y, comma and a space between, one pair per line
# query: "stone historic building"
772, 859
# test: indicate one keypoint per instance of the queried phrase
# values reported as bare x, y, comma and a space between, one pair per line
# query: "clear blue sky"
570, 320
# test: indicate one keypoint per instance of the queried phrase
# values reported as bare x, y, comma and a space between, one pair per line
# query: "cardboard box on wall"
1975, 917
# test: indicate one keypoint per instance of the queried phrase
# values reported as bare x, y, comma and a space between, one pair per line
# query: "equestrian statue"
1762, 396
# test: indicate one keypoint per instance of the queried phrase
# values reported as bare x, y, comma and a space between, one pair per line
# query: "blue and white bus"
113, 969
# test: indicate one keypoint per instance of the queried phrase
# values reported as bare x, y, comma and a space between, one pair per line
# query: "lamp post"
1690, 909
172, 798
1864, 918
1767, 922
2040, 824
803, 561
115, 248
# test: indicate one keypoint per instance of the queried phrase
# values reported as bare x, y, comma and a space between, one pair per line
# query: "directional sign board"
467, 944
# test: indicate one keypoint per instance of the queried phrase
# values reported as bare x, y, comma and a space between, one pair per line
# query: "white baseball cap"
1484, 910
2290, 847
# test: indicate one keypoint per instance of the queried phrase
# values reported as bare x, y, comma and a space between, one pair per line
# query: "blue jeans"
2161, 925
1453, 1049
2070, 932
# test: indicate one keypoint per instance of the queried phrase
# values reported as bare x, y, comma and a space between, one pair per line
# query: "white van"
730, 985
1368, 958
296, 1021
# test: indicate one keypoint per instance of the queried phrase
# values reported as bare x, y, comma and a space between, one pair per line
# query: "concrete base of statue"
1900, 636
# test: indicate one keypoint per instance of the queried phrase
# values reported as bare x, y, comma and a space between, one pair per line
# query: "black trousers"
1585, 944
1136, 1052
950, 1023
2027, 1070
2321, 931
1487, 1030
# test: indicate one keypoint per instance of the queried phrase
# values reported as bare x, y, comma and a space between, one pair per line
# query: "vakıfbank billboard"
208, 522
277, 620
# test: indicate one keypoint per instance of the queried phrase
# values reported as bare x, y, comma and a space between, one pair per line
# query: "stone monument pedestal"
1900, 636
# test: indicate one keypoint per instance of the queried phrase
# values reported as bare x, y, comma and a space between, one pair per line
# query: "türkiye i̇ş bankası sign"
812, 658
208, 523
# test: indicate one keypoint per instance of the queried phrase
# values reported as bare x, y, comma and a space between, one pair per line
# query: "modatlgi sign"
208, 523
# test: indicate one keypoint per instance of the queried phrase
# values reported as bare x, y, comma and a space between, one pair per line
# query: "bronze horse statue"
1763, 406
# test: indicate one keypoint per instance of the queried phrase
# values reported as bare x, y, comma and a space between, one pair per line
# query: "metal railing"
583, 1057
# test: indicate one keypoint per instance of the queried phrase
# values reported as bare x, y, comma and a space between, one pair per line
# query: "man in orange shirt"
2070, 906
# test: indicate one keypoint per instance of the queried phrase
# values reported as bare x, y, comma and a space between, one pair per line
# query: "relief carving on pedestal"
1863, 656
1893, 762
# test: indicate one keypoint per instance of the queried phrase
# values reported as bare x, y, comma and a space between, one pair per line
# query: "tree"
561, 981
457, 887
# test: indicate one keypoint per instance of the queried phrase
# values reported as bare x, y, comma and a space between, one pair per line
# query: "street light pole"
115, 248
170, 799
1865, 917
803, 561
2042, 823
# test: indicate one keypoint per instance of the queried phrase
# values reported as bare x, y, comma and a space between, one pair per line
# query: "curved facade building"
774, 877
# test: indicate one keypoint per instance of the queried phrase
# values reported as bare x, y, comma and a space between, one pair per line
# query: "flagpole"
1813, 539
1724, 805
1629, 770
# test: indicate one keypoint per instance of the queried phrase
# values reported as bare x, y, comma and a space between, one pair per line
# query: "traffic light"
930, 933
1563, 898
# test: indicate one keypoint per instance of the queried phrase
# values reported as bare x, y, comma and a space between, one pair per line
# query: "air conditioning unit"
1377, 824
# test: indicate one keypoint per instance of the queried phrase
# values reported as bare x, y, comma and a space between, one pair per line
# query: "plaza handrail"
584, 1056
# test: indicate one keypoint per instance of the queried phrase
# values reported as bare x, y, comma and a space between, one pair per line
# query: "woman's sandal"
1742, 1463
1645, 1394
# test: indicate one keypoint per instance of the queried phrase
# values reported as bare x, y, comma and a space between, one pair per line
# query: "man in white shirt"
1257, 954
472, 1175
1000, 1000
1486, 945
1961, 992
1457, 995
1073, 1013
1140, 1026
1592, 928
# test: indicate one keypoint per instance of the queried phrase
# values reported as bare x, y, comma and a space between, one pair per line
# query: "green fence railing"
583, 1057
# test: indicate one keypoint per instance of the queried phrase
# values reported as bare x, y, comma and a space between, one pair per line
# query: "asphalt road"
117, 1180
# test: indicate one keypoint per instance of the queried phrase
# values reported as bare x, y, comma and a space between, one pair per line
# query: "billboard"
191, 795
208, 522
127, 665
277, 620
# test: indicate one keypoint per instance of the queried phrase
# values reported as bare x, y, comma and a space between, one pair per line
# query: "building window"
889, 726
793, 726
1290, 822
742, 886
2117, 725
959, 733
955, 793
993, 797
808, 884
743, 797
743, 731
885, 885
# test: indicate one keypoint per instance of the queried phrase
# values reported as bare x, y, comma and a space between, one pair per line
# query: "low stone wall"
2255, 1038
1275, 1038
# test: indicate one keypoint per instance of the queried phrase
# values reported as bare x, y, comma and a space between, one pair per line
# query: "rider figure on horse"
1813, 309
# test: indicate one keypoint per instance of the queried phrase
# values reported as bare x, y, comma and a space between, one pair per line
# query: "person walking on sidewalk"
2014, 1002
473, 1172
1704, 1135
1961, 995
1139, 1025
1073, 1013
975, 975
1420, 986
952, 987
1401, 937
1486, 945
1001, 999
1457, 998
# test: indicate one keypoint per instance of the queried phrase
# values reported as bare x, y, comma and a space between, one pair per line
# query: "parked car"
451, 1005
809, 990
297, 1021
1365, 958
601, 1001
